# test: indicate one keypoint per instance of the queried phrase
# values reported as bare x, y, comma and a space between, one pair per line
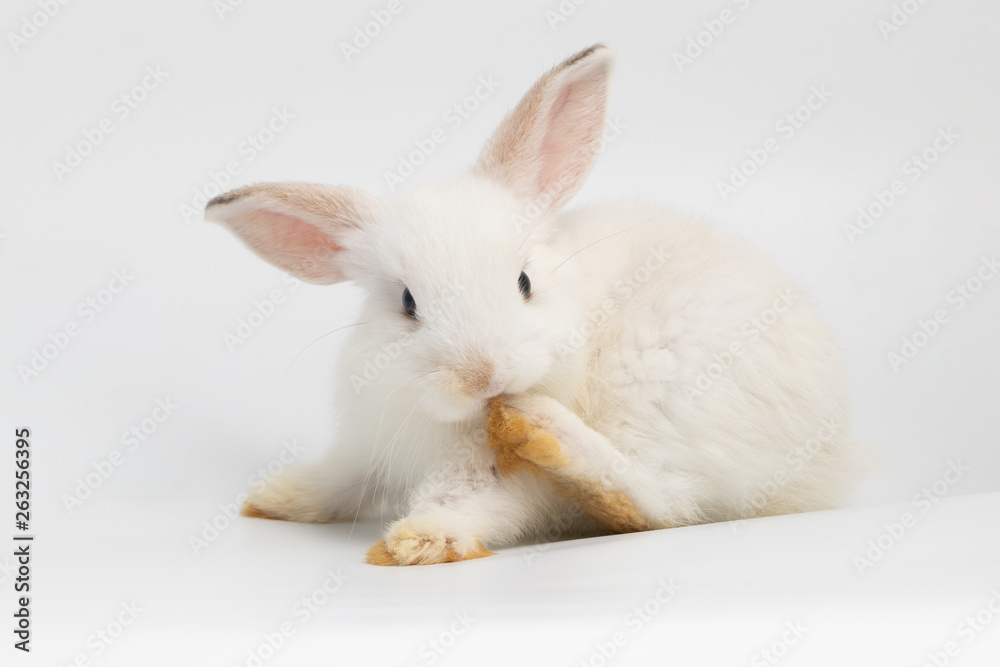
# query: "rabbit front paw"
540, 435
522, 434
423, 541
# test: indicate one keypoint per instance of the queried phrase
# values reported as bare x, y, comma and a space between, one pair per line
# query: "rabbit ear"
298, 227
546, 146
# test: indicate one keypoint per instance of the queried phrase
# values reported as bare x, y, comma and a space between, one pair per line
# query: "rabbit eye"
409, 305
524, 284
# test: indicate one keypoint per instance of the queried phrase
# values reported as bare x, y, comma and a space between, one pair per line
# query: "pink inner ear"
566, 147
295, 245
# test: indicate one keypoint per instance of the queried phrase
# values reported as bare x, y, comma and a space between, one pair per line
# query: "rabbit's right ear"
298, 227
546, 146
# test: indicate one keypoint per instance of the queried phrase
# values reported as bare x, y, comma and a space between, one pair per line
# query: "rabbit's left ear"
546, 146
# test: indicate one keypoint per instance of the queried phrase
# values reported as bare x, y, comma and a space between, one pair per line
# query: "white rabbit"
521, 371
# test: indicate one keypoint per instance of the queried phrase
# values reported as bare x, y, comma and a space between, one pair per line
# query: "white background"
685, 128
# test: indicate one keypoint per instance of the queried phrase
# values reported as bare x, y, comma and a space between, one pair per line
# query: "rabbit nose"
481, 379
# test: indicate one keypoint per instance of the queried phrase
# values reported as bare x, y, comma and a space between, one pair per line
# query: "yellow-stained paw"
379, 554
251, 510
294, 494
414, 542
523, 443
517, 443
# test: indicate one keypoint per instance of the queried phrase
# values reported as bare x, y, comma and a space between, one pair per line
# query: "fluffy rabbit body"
520, 371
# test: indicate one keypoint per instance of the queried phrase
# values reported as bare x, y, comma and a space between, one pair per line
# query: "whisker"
623, 231
531, 231
375, 448
296, 357
598, 378
387, 456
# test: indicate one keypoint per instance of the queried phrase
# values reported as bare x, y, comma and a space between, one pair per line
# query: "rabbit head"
461, 269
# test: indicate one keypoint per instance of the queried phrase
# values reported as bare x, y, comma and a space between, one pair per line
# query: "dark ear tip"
225, 198
587, 52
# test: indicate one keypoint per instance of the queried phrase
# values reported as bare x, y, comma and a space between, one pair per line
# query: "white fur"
613, 353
